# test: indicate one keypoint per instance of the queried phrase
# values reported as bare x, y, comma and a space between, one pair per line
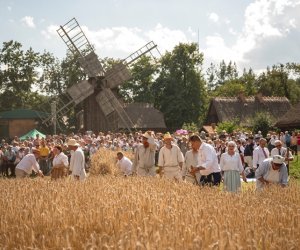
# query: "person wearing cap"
170, 159
144, 158
272, 171
282, 151
77, 162
124, 164
260, 153
28, 164
207, 162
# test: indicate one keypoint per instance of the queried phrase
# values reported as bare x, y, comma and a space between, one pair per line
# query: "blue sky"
257, 33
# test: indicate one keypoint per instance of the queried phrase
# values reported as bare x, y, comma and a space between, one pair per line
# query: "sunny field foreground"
139, 213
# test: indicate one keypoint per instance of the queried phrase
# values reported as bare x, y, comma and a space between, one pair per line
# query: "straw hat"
72, 142
167, 136
147, 135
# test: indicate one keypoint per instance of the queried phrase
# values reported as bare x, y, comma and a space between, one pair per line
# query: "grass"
295, 168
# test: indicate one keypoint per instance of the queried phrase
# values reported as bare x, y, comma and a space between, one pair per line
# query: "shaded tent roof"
244, 108
144, 116
22, 114
32, 133
291, 118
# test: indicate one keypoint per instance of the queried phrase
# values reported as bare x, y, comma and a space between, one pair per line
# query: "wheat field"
113, 212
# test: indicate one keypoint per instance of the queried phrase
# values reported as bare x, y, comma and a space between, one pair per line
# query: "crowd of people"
198, 158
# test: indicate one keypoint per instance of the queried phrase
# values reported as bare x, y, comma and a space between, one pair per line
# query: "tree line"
176, 83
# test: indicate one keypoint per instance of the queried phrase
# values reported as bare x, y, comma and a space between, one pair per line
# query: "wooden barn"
244, 108
291, 119
18, 122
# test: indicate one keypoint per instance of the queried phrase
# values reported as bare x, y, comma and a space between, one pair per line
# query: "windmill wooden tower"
102, 110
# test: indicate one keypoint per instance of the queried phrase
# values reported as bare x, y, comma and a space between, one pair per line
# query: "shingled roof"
22, 114
144, 116
291, 118
244, 108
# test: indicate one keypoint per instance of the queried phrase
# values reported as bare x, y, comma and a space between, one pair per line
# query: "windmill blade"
74, 95
140, 52
64, 108
91, 65
75, 39
80, 91
116, 76
109, 103
119, 73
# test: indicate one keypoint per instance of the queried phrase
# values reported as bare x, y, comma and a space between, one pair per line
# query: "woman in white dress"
60, 163
232, 167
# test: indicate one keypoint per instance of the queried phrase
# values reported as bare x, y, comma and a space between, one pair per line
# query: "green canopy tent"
32, 133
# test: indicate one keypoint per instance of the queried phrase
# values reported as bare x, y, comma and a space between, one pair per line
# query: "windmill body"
102, 110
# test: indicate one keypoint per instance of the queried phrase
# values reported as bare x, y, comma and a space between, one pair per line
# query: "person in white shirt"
260, 153
232, 167
28, 164
124, 164
144, 159
272, 171
77, 161
170, 159
191, 159
93, 149
282, 151
60, 163
207, 162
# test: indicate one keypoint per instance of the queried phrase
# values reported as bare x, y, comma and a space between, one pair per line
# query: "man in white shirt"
191, 159
282, 151
77, 162
144, 159
207, 162
124, 164
27, 164
260, 153
170, 159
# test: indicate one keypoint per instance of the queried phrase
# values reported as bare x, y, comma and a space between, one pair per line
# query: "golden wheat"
108, 212
103, 162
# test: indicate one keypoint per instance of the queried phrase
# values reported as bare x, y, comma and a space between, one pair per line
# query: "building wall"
94, 119
20, 127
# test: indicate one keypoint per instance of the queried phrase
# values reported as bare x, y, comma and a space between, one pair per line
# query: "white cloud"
50, 32
166, 38
9, 8
292, 23
192, 32
28, 21
232, 31
267, 24
122, 41
217, 50
213, 17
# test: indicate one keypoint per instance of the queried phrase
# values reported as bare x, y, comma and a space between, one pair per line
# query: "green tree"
228, 126
18, 77
262, 121
139, 87
179, 89
248, 80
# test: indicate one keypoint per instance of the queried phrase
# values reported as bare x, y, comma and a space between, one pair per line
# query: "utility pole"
53, 114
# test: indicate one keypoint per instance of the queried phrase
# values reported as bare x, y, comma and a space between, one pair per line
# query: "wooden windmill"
101, 106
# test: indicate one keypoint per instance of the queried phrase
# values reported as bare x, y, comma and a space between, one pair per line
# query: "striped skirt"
232, 181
